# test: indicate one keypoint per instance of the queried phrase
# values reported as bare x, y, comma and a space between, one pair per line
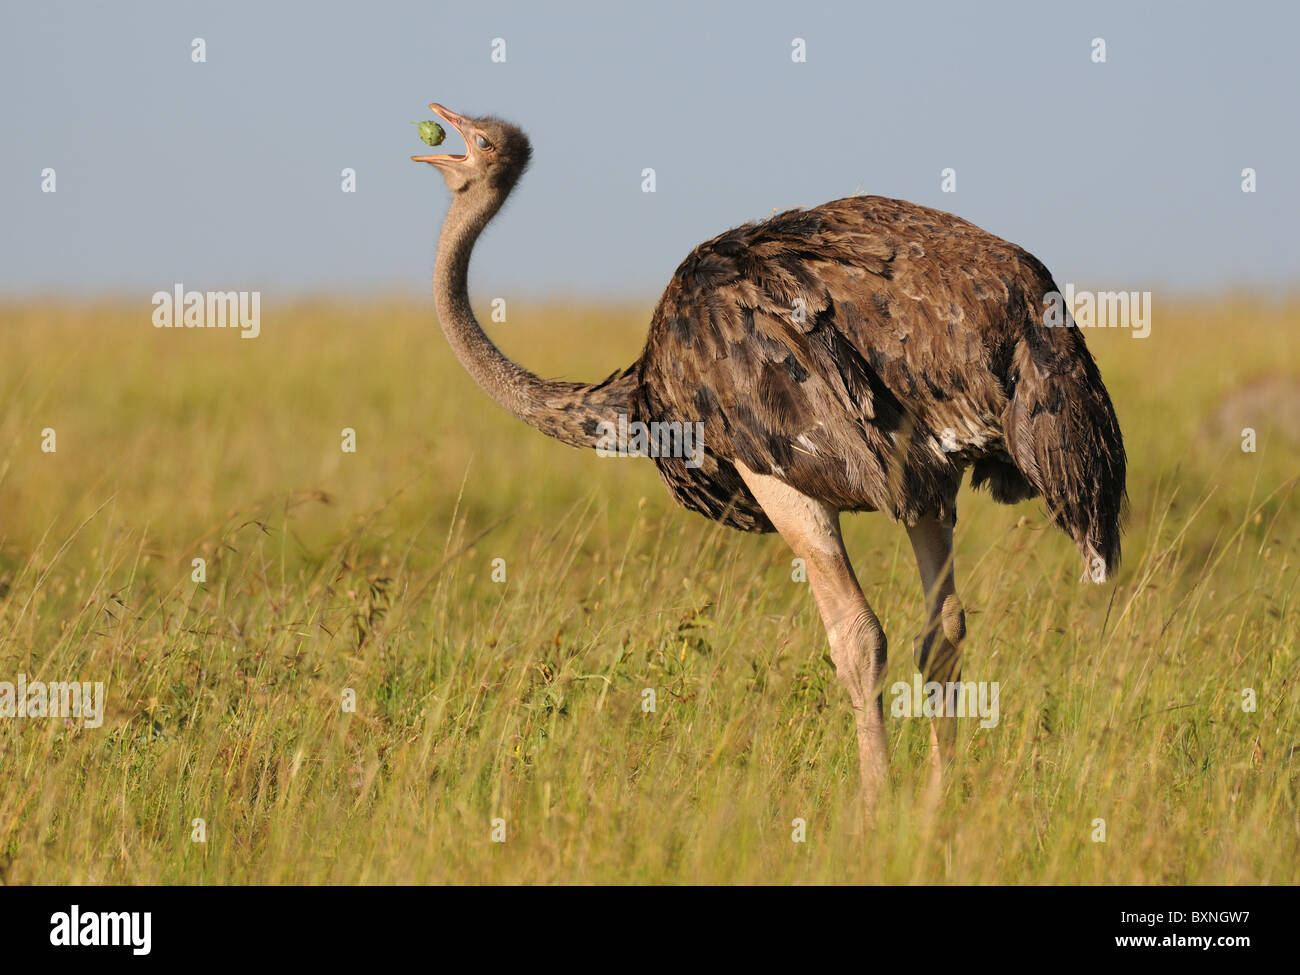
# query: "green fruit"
431, 133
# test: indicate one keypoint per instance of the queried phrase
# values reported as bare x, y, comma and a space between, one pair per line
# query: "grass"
521, 700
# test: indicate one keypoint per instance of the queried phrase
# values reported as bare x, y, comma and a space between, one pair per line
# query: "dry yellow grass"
522, 700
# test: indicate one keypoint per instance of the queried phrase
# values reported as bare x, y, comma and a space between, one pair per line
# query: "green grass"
522, 699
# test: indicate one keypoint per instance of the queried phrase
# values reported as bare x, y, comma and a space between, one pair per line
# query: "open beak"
456, 121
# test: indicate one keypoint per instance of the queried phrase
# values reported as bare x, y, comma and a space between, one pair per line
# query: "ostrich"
855, 356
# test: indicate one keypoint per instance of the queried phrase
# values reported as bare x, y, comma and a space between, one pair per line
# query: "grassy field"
521, 700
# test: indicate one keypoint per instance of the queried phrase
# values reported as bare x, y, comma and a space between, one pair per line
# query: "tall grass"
522, 700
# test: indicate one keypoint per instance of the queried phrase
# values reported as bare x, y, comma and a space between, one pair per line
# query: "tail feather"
1063, 437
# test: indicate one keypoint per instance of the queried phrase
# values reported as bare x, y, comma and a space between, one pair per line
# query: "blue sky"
226, 174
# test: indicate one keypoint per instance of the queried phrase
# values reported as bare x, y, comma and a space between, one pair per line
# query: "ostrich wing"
859, 351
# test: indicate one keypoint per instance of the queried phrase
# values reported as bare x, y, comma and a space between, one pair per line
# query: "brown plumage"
834, 348
857, 356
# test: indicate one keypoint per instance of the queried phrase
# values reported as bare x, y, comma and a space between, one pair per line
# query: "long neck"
570, 412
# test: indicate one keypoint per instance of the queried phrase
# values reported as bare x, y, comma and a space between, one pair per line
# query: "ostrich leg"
812, 530
938, 649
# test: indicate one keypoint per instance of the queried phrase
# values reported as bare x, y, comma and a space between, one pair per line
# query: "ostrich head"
495, 156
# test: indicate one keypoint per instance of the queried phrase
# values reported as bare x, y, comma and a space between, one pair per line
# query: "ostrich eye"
482, 143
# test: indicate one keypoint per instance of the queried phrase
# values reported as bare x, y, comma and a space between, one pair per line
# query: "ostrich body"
856, 356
